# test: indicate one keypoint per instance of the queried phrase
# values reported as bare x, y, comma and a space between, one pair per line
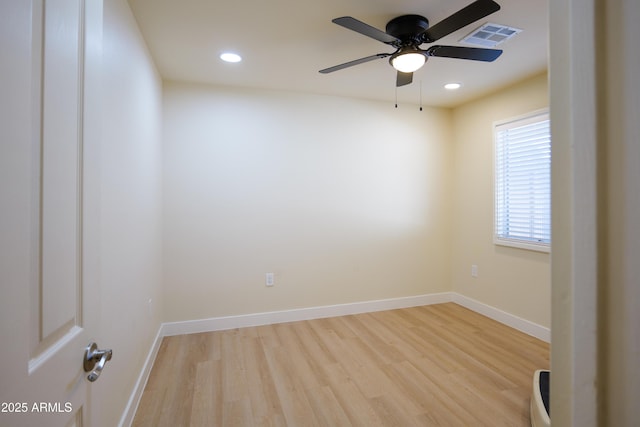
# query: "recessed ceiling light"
230, 57
452, 86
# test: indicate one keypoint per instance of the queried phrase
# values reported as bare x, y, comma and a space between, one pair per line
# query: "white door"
49, 187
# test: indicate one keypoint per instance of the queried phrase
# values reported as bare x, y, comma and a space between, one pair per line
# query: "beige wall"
344, 200
513, 280
131, 210
372, 203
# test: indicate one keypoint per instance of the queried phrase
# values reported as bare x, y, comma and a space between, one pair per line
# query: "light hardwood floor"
437, 365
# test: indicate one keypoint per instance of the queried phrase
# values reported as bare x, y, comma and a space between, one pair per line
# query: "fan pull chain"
420, 95
396, 96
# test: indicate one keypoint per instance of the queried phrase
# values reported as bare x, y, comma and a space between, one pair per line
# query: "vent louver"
490, 35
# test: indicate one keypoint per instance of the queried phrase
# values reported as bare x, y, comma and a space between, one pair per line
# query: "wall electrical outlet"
269, 279
474, 271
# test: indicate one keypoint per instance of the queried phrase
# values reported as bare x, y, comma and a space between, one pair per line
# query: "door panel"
61, 169
51, 302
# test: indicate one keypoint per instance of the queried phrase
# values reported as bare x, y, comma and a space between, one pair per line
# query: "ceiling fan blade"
354, 62
474, 53
364, 29
403, 79
465, 16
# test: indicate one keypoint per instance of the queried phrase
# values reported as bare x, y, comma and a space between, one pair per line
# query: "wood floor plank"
390, 413
236, 413
358, 409
412, 383
298, 365
326, 408
379, 337
291, 390
437, 365
206, 408
265, 403
234, 380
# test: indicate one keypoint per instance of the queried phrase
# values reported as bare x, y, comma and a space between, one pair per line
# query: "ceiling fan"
407, 32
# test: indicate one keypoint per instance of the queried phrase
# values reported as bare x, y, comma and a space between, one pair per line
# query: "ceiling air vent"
490, 35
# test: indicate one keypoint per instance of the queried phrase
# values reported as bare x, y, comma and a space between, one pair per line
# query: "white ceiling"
285, 42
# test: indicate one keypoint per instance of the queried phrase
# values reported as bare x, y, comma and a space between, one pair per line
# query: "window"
523, 182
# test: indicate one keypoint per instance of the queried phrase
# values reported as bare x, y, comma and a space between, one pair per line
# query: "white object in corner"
539, 416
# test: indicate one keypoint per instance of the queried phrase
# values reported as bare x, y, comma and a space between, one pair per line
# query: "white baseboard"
273, 317
136, 395
541, 332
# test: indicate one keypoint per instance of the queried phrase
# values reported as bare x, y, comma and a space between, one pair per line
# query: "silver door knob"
94, 361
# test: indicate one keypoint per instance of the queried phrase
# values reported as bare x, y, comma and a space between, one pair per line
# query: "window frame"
523, 119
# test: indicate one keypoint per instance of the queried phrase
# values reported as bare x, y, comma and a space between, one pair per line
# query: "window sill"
522, 244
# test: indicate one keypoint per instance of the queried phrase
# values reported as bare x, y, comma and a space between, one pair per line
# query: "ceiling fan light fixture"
408, 61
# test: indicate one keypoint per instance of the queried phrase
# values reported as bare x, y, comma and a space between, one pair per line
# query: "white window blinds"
523, 182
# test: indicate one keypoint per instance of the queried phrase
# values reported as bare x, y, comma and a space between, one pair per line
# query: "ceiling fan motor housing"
408, 28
